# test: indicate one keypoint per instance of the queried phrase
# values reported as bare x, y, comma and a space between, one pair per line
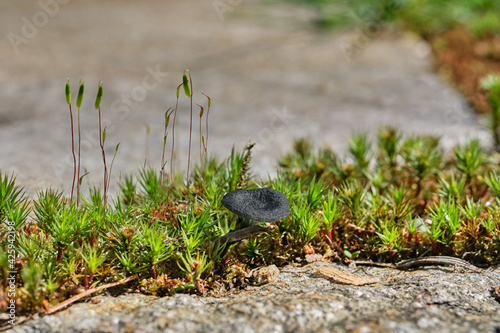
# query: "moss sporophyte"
399, 199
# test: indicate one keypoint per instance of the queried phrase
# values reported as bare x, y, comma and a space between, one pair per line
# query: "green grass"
399, 197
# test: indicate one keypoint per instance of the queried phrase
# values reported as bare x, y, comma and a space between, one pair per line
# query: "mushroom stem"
237, 235
248, 222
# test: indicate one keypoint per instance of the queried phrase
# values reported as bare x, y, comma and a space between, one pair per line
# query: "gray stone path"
270, 76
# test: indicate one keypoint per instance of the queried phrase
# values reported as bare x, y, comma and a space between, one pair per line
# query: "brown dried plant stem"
79, 160
173, 135
113, 161
163, 163
190, 129
72, 151
206, 126
201, 134
101, 143
86, 293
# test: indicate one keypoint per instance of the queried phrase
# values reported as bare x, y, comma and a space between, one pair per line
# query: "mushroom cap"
262, 204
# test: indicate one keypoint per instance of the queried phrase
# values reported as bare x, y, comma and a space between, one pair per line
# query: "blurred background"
274, 70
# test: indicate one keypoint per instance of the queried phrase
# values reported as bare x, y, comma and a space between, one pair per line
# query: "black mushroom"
254, 207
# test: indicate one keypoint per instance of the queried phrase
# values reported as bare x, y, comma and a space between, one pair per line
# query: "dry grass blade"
86, 293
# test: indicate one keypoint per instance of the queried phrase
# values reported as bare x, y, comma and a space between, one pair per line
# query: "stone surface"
271, 78
427, 300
